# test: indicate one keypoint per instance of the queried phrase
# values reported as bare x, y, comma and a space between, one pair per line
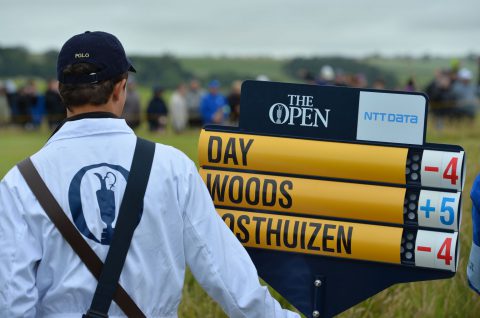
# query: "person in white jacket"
41, 276
178, 108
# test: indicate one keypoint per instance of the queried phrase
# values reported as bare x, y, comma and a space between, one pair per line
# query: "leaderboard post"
335, 185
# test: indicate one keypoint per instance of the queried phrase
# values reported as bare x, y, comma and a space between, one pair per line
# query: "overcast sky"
251, 27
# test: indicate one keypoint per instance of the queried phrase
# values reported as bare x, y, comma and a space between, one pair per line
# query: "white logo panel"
389, 117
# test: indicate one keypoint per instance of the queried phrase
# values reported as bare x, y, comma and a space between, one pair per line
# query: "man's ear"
119, 89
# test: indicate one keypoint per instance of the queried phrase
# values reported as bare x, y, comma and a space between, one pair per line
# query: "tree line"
19, 62
168, 71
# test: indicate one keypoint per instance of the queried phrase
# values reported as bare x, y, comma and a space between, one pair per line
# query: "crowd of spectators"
26, 107
453, 95
188, 105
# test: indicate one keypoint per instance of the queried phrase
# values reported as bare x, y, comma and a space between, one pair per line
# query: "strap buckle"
94, 314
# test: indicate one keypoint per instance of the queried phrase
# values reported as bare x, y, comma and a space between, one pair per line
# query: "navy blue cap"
101, 49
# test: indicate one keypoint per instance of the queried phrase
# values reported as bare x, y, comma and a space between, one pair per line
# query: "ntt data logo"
391, 117
300, 111
377, 121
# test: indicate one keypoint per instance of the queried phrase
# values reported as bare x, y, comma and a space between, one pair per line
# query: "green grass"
444, 298
203, 66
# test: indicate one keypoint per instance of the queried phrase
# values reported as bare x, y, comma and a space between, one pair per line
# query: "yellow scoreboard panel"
336, 199
334, 160
315, 236
303, 157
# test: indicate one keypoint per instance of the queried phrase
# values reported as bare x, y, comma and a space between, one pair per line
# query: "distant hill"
395, 70
169, 70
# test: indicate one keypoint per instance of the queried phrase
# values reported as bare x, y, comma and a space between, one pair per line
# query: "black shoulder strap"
142, 161
128, 219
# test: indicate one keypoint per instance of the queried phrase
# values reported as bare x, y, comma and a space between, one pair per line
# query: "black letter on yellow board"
272, 195
346, 241
294, 234
327, 237
210, 149
256, 191
287, 203
317, 227
243, 229
245, 149
302, 235
258, 226
230, 152
216, 188
277, 232
231, 187
231, 218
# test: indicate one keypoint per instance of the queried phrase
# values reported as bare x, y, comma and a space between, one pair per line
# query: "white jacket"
41, 276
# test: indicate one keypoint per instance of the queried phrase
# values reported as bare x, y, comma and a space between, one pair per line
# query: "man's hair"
93, 93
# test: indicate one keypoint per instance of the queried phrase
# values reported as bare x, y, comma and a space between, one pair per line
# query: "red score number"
450, 172
444, 251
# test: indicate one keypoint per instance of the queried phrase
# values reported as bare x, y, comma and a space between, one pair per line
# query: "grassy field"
446, 298
246, 67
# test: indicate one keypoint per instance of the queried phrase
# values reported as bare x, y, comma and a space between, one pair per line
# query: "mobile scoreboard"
334, 192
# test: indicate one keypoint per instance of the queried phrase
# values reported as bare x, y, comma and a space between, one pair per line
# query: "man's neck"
89, 108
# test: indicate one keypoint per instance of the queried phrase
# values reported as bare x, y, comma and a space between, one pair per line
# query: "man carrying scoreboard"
78, 185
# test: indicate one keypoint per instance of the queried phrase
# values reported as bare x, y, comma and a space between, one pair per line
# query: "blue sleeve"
475, 196
206, 110
473, 268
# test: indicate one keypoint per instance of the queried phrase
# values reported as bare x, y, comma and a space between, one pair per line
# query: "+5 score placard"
336, 174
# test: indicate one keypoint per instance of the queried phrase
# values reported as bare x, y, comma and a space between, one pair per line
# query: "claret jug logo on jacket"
299, 111
94, 198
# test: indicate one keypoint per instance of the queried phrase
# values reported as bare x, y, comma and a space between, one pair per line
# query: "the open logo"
299, 111
99, 187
